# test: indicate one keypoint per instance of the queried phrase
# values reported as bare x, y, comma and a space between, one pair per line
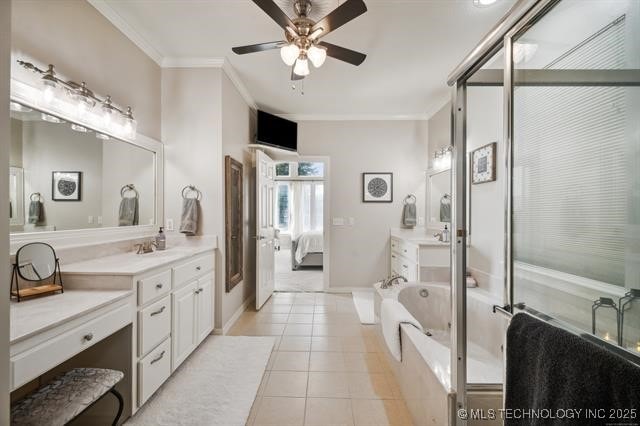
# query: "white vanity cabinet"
404, 259
417, 256
175, 314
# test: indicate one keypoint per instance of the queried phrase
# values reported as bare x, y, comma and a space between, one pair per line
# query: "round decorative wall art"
66, 186
377, 187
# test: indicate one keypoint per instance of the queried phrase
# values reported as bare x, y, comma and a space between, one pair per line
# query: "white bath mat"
364, 305
215, 386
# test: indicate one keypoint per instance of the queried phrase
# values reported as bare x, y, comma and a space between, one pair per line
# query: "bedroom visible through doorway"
299, 223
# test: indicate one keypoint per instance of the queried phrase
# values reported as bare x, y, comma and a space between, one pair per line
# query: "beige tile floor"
326, 369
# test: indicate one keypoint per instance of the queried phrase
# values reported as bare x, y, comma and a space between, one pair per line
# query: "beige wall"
237, 132
359, 254
85, 46
5, 47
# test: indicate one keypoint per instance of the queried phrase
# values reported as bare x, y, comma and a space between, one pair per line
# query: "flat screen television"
277, 132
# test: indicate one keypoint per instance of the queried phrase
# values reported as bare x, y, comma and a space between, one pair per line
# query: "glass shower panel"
485, 201
576, 167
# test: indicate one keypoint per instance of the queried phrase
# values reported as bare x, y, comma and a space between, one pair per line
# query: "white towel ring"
128, 188
410, 199
191, 189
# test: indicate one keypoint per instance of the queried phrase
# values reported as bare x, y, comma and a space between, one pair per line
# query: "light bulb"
49, 90
14, 106
50, 118
102, 136
301, 68
317, 56
289, 53
79, 128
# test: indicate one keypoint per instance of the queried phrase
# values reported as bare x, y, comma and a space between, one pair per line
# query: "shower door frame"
468, 74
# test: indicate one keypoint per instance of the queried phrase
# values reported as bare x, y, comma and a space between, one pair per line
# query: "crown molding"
125, 28
233, 75
355, 117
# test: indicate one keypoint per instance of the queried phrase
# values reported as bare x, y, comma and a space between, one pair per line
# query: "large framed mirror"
66, 179
438, 199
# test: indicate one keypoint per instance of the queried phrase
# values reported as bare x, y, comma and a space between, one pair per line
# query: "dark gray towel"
550, 368
189, 219
128, 213
35, 212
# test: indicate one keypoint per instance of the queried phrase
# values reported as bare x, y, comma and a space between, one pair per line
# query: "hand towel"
35, 212
189, 220
409, 215
392, 315
445, 208
128, 214
553, 369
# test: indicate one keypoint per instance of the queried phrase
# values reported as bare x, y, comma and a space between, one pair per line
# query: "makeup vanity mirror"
65, 176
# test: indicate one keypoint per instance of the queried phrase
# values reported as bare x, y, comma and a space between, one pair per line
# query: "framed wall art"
377, 187
66, 186
483, 164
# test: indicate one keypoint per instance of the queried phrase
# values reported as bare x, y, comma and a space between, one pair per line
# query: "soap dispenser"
445, 234
161, 240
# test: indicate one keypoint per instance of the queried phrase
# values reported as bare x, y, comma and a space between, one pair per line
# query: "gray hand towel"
550, 368
445, 208
128, 214
189, 220
35, 212
409, 215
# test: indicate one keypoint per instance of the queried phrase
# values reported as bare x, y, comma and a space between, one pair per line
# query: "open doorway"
299, 210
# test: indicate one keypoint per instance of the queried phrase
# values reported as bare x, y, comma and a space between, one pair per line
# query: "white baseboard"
225, 328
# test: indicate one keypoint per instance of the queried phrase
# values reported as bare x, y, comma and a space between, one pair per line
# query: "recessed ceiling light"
483, 3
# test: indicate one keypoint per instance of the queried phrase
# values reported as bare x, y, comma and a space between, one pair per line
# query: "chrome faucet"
145, 247
390, 280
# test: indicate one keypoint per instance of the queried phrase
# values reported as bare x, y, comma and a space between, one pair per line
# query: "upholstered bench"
66, 397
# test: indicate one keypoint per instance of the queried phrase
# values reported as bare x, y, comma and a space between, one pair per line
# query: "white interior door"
265, 250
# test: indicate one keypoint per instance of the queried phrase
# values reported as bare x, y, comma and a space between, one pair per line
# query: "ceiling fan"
302, 36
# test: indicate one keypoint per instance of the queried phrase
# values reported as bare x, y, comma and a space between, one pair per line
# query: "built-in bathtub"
424, 373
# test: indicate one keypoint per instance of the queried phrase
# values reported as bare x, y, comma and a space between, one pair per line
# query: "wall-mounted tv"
277, 132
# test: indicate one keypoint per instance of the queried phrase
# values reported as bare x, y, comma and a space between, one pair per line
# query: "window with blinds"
573, 170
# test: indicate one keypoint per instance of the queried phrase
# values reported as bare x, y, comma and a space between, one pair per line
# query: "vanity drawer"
192, 269
154, 325
153, 370
41, 358
409, 251
154, 286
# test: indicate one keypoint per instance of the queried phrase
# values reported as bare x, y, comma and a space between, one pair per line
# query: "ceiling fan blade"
343, 54
344, 13
272, 9
243, 50
296, 77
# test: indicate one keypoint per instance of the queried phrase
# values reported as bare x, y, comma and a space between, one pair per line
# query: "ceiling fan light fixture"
317, 55
302, 67
289, 53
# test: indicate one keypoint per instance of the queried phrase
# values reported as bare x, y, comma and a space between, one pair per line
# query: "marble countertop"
417, 236
34, 316
131, 263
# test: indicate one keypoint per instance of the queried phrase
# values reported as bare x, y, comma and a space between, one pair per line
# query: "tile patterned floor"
326, 369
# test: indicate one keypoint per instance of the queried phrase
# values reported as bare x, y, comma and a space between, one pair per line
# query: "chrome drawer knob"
88, 337
159, 286
198, 268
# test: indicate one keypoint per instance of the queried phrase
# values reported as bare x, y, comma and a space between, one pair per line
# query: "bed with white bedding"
307, 249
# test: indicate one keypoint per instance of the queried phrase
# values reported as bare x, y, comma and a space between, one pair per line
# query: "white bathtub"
427, 356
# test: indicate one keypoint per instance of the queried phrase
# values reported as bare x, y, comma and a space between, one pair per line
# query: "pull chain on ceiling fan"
302, 36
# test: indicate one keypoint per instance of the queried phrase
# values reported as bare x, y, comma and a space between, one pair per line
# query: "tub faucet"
394, 278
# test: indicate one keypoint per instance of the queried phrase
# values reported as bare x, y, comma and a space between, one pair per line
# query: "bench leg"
120, 405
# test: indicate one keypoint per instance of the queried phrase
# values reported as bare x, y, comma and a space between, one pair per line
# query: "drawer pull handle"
159, 286
153, 361
88, 337
198, 291
158, 312
198, 268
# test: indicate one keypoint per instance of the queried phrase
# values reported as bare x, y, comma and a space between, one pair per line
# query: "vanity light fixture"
77, 103
483, 3
442, 158
51, 118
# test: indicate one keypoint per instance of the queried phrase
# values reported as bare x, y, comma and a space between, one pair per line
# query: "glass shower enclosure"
546, 136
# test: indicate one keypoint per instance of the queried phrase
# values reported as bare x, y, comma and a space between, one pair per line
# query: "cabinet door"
205, 307
184, 303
